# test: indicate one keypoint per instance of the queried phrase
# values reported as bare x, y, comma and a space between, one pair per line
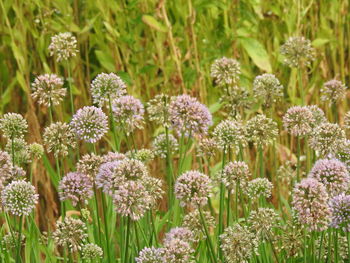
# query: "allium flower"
20, 150
48, 89
225, 71
63, 46
233, 173
13, 125
238, 244
19, 198
333, 174
107, 87
310, 200
194, 223
158, 110
36, 150
193, 188
143, 155
129, 169
113, 156
76, 187
89, 165
298, 120
188, 116
327, 138
150, 255
128, 113
230, 134
131, 199
262, 130
328, 252
6, 169
236, 99
340, 210
262, 222
91, 251
71, 232
267, 88
89, 124
259, 187
298, 52
343, 153
182, 233
347, 120
10, 240
105, 176
292, 238
58, 138
318, 115
207, 147
160, 145
177, 251
154, 187
333, 91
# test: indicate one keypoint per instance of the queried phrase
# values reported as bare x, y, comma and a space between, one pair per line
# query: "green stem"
211, 247
228, 208
97, 215
19, 241
111, 117
127, 241
70, 88
104, 207
298, 158
320, 248
261, 161
221, 207
301, 89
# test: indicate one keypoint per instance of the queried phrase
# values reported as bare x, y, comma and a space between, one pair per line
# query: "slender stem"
169, 167
154, 228
19, 241
97, 215
13, 150
127, 240
236, 200
221, 208
50, 111
104, 207
298, 158
70, 88
111, 117
301, 89
261, 161
211, 247
320, 248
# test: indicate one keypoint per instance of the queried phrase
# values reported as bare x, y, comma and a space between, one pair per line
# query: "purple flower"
192, 188
128, 113
76, 187
310, 200
333, 174
104, 177
89, 124
150, 255
182, 233
340, 208
188, 116
48, 89
298, 120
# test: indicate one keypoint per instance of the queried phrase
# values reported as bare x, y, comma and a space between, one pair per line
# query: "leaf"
257, 53
106, 60
318, 42
152, 22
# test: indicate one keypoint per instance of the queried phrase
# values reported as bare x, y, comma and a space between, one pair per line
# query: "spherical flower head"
10, 240
20, 150
292, 237
107, 87
188, 116
105, 176
76, 187
193, 188
310, 200
63, 46
89, 124
234, 174
262, 222
144, 155
207, 147
236, 99
225, 71
347, 120
19, 198
150, 255
91, 251
333, 174
89, 164
48, 90
58, 138
333, 91
161, 146
113, 156
327, 138
129, 169
177, 251
13, 125
340, 210
267, 88
154, 187
230, 134
262, 130
297, 52
132, 199
318, 115
298, 121
238, 244
194, 223
6, 169
182, 233
259, 187
36, 150
328, 252
70, 232
128, 113
158, 110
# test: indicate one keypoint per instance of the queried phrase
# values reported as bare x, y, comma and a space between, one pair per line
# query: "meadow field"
174, 131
